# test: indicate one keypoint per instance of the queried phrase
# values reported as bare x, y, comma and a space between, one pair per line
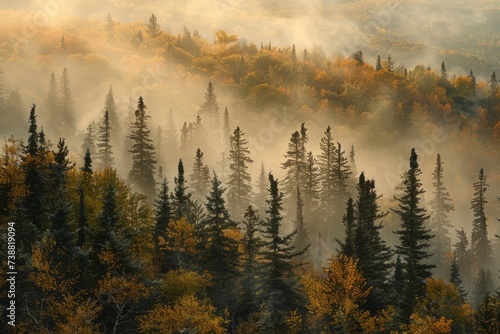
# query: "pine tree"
110, 106
441, 206
398, 280
218, 251
239, 185
61, 164
277, 257
83, 227
301, 240
326, 172
482, 287
89, 139
143, 152
348, 246
480, 244
66, 109
444, 75
209, 110
378, 65
389, 65
455, 278
181, 199
251, 244
414, 238
311, 186
154, 29
163, 212
104, 153
352, 160
171, 140
200, 178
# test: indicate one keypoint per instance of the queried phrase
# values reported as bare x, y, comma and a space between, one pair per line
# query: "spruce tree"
200, 178
311, 186
218, 251
482, 287
239, 185
154, 29
110, 106
171, 136
181, 198
462, 254
277, 260
83, 228
209, 110
143, 152
226, 132
61, 164
480, 244
348, 246
104, 153
487, 317
295, 167
440, 208
414, 239
341, 180
52, 101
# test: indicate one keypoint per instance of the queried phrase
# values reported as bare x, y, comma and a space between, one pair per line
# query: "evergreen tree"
444, 75
455, 278
143, 152
414, 238
378, 65
341, 179
261, 193
109, 26
480, 244
110, 106
295, 166
154, 29
348, 246
210, 108
200, 178
239, 185
482, 287
181, 199
52, 101
277, 257
66, 109
326, 171
487, 318
301, 240
83, 227
389, 65
293, 54
462, 256
352, 160
104, 153
163, 212
440, 208
311, 185
226, 140
398, 280
61, 164
89, 139
218, 251
251, 244
358, 57
171, 140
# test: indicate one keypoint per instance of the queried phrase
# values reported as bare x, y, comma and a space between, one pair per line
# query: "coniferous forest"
157, 181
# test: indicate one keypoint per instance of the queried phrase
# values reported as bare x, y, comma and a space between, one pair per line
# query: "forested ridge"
133, 221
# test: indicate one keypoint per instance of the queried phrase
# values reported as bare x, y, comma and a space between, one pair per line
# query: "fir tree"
341, 179
277, 257
441, 206
83, 227
482, 287
480, 244
143, 152
109, 26
239, 185
444, 74
348, 246
104, 153
311, 188
154, 29
226, 139
295, 166
171, 140
200, 178
181, 199
352, 160
51, 101
414, 238
487, 317
61, 164
210, 108
389, 65
110, 106
218, 251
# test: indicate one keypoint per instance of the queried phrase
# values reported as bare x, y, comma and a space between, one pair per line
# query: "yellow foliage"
121, 290
180, 237
187, 313
181, 282
427, 325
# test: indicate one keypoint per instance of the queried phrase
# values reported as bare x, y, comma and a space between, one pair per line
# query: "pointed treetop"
413, 159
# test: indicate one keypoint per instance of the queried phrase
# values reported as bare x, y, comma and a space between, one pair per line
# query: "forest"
175, 183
